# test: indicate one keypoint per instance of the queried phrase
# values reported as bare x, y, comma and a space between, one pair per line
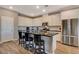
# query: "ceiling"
32, 11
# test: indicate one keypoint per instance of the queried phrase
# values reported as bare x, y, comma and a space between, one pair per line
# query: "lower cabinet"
58, 36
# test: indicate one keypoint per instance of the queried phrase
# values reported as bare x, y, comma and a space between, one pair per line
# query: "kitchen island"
50, 42
49, 38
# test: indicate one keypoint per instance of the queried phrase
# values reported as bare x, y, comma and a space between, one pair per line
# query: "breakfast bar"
50, 42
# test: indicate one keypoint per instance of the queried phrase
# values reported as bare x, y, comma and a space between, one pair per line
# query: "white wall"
74, 13
7, 28
14, 15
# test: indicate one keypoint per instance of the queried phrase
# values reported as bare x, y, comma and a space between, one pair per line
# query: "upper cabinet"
37, 22
24, 21
53, 20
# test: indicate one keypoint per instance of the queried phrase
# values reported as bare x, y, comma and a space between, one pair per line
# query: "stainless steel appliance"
70, 32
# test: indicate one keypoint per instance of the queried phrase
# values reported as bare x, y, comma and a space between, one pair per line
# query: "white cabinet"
54, 20
24, 21
57, 36
37, 22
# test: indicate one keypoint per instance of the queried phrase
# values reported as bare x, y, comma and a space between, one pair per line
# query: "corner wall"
5, 12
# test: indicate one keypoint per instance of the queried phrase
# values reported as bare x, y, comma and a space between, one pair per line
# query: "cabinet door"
74, 27
54, 20
24, 21
65, 30
37, 22
58, 36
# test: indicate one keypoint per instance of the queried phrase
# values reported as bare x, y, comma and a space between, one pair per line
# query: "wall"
74, 13
5, 12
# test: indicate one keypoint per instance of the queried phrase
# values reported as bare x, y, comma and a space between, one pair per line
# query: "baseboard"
58, 41
67, 44
7, 41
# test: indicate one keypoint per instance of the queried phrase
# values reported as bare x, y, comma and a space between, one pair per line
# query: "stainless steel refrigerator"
70, 32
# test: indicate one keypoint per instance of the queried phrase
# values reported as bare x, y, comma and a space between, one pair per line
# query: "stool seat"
29, 41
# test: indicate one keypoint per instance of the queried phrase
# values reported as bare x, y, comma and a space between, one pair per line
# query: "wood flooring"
12, 47
65, 49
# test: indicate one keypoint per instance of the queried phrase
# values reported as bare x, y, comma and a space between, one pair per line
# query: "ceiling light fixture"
37, 7
10, 7
44, 10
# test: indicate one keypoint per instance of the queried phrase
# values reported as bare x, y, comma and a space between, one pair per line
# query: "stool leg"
27, 45
43, 47
19, 41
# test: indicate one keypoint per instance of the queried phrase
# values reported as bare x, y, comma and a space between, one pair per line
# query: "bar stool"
39, 44
29, 41
27, 29
21, 38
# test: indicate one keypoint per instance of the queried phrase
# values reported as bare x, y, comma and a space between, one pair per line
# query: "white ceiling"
31, 10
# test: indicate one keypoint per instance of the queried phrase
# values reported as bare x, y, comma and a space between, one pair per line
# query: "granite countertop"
55, 30
49, 34
45, 34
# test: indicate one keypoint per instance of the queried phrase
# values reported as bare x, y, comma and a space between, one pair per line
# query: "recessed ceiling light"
10, 7
37, 7
44, 10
